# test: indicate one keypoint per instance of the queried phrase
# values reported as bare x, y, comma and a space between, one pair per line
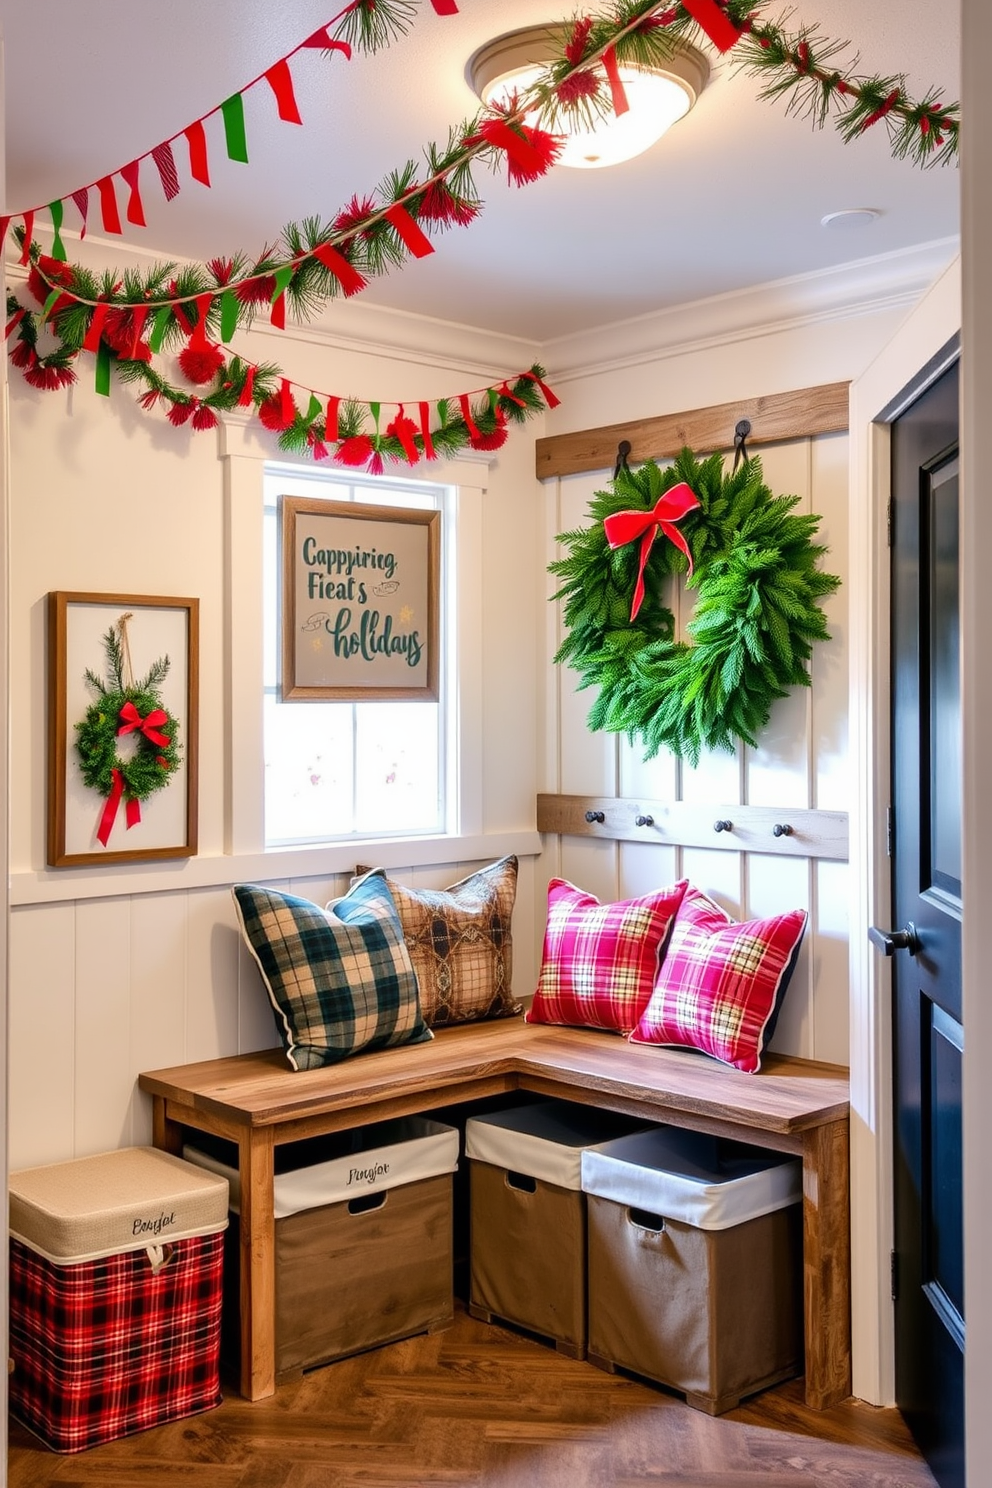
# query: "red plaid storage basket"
107, 1346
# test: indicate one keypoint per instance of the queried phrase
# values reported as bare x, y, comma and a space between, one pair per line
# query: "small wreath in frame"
127, 743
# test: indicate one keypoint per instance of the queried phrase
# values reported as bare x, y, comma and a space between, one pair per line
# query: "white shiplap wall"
802, 762
104, 988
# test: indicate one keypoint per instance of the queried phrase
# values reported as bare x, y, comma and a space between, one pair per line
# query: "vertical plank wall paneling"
801, 762
104, 988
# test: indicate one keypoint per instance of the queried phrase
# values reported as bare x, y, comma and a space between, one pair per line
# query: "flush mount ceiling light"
850, 217
658, 96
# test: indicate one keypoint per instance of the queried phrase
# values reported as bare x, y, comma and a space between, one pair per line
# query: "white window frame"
244, 496
314, 480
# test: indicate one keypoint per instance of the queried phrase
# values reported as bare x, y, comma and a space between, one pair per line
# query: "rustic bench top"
788, 1096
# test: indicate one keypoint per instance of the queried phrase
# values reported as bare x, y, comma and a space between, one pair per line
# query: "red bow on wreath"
131, 720
147, 726
626, 526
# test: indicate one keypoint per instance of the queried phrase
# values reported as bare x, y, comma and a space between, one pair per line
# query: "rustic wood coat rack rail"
774, 417
783, 830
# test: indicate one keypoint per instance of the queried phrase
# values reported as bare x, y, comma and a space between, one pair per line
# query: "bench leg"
258, 1265
167, 1135
827, 1264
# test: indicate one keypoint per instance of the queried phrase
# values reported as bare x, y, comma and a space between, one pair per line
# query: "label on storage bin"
691, 1177
420, 1148
114, 1202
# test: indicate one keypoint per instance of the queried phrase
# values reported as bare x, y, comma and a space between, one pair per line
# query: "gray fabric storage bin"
363, 1235
695, 1263
528, 1216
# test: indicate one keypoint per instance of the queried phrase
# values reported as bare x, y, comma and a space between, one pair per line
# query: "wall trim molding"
920, 338
319, 860
862, 287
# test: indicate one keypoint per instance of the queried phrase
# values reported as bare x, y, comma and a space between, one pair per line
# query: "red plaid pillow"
601, 960
721, 982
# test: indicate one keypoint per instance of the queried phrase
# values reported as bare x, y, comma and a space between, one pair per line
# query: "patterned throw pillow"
460, 944
339, 979
722, 982
601, 960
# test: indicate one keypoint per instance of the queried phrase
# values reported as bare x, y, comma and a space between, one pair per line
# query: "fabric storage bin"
363, 1238
116, 1268
695, 1263
527, 1216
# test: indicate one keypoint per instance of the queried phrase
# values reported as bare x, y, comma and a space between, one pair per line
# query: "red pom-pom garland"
355, 450
200, 364
272, 414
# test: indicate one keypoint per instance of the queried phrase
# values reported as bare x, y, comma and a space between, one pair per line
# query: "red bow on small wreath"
626, 526
148, 726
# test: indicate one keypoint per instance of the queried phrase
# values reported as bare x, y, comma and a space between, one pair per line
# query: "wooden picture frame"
164, 824
359, 604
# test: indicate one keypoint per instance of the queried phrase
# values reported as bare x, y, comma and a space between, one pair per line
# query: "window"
338, 770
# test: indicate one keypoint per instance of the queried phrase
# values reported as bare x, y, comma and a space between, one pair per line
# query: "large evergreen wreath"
754, 568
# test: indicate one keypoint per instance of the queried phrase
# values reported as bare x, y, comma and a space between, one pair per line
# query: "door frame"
877, 397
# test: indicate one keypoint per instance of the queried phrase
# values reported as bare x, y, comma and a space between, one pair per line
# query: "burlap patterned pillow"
460, 944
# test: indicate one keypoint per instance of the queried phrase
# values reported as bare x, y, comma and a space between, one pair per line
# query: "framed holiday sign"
359, 601
122, 727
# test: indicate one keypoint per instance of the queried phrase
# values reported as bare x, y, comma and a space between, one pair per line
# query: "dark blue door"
928, 1264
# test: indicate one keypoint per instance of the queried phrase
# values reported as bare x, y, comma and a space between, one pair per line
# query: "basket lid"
97, 1206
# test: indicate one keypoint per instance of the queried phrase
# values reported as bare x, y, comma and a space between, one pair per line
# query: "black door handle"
890, 941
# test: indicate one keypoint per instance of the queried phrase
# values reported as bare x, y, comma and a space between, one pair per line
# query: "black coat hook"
741, 431
623, 453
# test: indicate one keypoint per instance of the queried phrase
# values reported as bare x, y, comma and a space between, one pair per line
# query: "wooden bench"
792, 1106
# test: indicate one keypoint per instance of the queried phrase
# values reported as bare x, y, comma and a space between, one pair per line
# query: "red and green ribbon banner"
372, 234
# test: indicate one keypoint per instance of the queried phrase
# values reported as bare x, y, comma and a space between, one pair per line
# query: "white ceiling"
732, 197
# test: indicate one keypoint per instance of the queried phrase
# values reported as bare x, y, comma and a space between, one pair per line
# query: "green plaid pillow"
339, 979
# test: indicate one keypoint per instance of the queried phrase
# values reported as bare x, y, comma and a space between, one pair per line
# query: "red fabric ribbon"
882, 110
246, 399
323, 41
715, 22
280, 80
286, 404
196, 138
149, 726
409, 230
627, 526
134, 212
28, 231
618, 93
198, 336
132, 809
138, 317
82, 200
470, 423
108, 205
350, 280
92, 341
549, 397
165, 164
425, 431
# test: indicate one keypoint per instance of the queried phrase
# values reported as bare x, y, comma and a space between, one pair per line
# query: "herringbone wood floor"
479, 1405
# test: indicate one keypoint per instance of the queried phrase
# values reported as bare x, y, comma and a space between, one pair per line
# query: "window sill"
321, 860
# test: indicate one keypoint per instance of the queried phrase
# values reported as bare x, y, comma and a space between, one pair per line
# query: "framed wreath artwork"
123, 683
